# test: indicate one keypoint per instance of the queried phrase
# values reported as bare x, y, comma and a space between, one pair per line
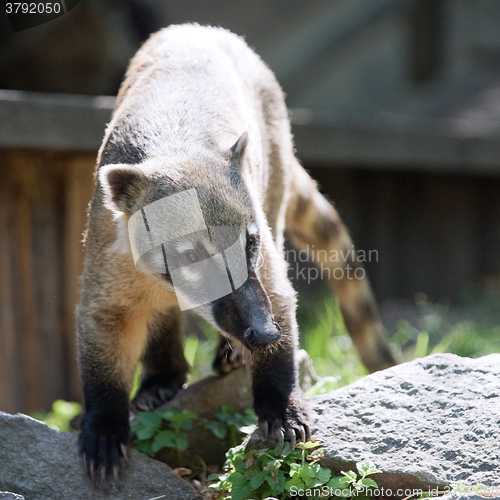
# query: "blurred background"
395, 108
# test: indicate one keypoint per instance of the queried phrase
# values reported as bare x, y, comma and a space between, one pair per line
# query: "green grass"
325, 338
470, 327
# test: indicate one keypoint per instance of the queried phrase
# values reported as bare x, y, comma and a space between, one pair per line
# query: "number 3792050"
33, 8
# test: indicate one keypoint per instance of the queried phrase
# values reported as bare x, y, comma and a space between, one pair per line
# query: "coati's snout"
246, 314
258, 338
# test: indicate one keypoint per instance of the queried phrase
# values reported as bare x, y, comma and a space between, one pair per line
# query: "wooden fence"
43, 200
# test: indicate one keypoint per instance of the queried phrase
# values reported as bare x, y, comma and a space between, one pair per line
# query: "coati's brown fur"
199, 109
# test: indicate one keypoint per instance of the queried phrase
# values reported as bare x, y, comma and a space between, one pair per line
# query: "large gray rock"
7, 495
42, 464
425, 424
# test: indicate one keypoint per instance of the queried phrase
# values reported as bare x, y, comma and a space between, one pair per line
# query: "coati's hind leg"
227, 357
164, 365
312, 222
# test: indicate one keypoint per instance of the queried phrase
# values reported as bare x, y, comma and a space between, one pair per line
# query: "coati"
200, 136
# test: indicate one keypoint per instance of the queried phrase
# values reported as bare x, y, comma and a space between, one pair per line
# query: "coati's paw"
293, 427
227, 358
152, 398
103, 446
155, 391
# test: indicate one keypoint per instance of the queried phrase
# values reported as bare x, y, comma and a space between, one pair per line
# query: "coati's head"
193, 226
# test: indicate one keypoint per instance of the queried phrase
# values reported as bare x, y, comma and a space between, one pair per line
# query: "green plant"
152, 436
258, 474
464, 489
459, 488
227, 422
164, 428
352, 483
60, 416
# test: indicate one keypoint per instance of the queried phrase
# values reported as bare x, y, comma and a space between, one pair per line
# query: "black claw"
165, 395
91, 472
141, 406
103, 478
302, 434
116, 477
281, 439
150, 403
308, 432
293, 438
124, 453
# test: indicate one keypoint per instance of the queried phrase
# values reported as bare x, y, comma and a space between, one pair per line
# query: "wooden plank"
79, 182
46, 217
10, 395
21, 183
53, 121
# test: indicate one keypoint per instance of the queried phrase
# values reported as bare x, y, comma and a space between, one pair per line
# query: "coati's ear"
123, 186
238, 148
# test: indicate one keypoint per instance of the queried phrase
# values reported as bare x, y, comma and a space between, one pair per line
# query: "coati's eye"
191, 257
252, 242
252, 245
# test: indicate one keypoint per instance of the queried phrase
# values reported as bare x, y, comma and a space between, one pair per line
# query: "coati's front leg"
278, 400
111, 341
164, 365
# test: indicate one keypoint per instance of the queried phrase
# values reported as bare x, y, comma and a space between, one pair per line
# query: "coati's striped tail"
314, 225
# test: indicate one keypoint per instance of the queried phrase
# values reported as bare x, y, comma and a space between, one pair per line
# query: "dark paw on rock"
152, 398
103, 448
294, 432
227, 359
155, 391
290, 424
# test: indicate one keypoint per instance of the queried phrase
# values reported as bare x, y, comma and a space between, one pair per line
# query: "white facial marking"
122, 242
252, 228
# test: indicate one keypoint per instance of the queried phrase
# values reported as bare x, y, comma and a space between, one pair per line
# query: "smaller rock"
7, 495
42, 464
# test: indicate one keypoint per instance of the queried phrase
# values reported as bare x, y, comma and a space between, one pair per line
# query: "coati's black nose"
260, 338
